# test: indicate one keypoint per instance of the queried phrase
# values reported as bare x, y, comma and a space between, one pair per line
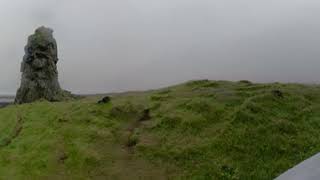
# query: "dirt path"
116, 159
16, 131
126, 164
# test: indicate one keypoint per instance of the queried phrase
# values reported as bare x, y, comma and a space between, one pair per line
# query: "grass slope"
198, 130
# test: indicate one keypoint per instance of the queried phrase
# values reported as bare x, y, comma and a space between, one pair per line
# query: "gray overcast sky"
119, 45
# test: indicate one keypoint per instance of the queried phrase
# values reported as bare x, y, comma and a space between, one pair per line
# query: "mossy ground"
198, 130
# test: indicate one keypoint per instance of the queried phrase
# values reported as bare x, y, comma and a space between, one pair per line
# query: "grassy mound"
197, 130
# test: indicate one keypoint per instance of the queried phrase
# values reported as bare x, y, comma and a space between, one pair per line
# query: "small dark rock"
277, 93
62, 157
132, 141
104, 100
145, 115
62, 120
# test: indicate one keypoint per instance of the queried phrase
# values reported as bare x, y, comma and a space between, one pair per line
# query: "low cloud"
132, 45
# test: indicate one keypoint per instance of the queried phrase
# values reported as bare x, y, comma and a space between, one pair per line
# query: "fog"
120, 45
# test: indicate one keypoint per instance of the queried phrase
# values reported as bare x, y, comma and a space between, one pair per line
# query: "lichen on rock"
39, 69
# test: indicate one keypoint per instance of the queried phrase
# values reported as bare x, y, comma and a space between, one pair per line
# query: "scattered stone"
104, 100
277, 93
132, 140
62, 120
62, 157
39, 69
145, 115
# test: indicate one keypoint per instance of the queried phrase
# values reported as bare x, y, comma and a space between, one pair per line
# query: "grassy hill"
196, 130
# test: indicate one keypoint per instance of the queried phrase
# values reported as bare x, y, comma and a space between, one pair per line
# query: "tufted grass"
198, 130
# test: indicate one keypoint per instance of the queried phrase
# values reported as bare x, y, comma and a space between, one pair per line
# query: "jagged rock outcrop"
39, 69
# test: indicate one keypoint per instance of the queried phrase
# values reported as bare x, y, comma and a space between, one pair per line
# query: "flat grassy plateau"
196, 130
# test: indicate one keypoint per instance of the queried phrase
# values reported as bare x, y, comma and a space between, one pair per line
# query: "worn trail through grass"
196, 130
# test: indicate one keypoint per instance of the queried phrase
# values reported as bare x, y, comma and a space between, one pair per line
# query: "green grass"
198, 130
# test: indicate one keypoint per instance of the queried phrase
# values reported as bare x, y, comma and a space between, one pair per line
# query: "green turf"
198, 130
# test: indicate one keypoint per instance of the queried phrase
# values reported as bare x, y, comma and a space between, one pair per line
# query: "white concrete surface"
307, 170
